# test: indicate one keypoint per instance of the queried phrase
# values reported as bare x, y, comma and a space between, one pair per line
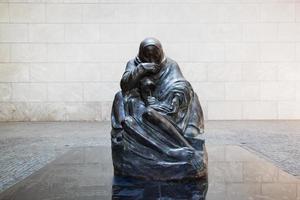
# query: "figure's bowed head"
151, 54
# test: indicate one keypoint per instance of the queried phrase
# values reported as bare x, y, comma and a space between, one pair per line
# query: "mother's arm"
132, 75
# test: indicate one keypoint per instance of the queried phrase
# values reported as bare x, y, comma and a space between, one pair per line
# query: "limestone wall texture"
62, 60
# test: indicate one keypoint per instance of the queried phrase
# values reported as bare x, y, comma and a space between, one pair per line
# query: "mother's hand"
150, 67
151, 100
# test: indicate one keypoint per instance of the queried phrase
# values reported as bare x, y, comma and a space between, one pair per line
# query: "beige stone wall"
63, 59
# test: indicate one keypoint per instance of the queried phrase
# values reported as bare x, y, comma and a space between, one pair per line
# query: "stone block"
65, 92
260, 110
27, 52
14, 72
272, 52
194, 71
4, 17
47, 72
29, 92
288, 109
84, 72
283, 90
64, 13
289, 32
242, 91
260, 32
46, 33
241, 52
5, 92
82, 32
4, 52
13, 33
207, 52
278, 12
259, 71
27, 13
209, 91
226, 110
288, 72
103, 91
224, 71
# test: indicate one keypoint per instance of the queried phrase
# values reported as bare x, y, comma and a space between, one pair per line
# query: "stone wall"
63, 59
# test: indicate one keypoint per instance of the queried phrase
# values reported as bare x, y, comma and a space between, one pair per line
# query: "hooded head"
151, 51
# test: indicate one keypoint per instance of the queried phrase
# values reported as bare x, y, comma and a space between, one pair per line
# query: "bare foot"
183, 153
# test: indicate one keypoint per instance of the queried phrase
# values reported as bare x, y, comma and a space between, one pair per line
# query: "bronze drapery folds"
157, 120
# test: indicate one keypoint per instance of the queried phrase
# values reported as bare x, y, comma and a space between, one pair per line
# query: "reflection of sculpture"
157, 120
126, 188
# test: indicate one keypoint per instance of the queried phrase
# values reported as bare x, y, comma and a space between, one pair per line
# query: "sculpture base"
129, 188
158, 171
134, 159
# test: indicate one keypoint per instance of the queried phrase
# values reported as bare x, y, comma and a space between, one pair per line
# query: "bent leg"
131, 127
156, 119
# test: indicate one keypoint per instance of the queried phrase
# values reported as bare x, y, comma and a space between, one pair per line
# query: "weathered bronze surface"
157, 120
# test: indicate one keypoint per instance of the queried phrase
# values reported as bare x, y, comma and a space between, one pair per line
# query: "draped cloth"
139, 144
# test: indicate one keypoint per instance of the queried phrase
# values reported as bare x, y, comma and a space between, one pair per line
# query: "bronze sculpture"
157, 120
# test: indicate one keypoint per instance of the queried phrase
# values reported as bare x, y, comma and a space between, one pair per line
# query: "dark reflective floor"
126, 188
86, 174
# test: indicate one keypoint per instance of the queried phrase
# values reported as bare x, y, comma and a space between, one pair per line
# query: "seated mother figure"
157, 120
